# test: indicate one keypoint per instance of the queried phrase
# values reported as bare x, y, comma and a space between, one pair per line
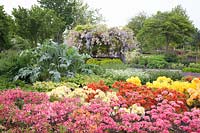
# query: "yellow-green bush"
48, 86
103, 61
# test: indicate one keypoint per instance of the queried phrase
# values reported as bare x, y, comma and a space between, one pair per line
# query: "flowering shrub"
134, 80
85, 94
48, 86
192, 88
102, 41
132, 94
164, 82
70, 115
147, 97
20, 97
172, 96
194, 97
98, 86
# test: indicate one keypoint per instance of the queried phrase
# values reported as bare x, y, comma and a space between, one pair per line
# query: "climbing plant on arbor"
100, 41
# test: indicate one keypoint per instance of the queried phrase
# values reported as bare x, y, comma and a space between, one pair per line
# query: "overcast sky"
119, 12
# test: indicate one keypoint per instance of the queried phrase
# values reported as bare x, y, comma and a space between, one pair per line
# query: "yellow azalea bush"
181, 86
82, 93
192, 88
194, 97
134, 80
194, 93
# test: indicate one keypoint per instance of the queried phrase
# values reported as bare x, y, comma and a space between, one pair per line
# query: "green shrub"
83, 80
194, 65
189, 69
176, 66
123, 74
174, 75
153, 61
156, 64
171, 57
51, 62
11, 62
103, 61
107, 63
7, 83
143, 61
145, 76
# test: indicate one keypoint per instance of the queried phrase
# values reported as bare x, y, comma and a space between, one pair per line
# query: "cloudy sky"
119, 12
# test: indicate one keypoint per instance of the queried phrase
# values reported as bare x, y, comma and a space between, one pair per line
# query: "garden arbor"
100, 41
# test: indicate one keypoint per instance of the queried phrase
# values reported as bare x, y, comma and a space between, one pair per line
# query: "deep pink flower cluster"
13, 96
97, 116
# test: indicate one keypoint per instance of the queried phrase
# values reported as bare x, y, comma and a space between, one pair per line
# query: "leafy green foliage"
36, 24
174, 75
7, 83
104, 61
193, 67
144, 75
169, 29
171, 57
153, 61
51, 61
72, 12
5, 29
189, 69
136, 23
83, 79
19, 43
11, 62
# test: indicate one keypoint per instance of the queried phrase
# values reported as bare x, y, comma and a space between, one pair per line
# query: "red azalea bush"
172, 95
99, 85
132, 94
147, 97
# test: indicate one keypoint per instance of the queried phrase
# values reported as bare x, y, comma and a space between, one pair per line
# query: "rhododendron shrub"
147, 97
37, 114
98, 86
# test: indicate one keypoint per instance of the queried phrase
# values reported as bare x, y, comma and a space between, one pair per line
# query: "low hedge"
190, 69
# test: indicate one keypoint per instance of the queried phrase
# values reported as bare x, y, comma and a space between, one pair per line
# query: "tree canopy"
136, 23
5, 29
73, 12
36, 24
170, 28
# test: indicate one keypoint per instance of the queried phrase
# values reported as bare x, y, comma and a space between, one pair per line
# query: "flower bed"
124, 107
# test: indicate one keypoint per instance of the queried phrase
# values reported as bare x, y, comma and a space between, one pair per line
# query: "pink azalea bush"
38, 114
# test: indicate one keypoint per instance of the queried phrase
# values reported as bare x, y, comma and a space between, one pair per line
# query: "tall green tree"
169, 29
36, 24
196, 42
73, 12
5, 29
136, 23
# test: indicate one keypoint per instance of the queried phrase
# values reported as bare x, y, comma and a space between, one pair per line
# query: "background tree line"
48, 20
167, 30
